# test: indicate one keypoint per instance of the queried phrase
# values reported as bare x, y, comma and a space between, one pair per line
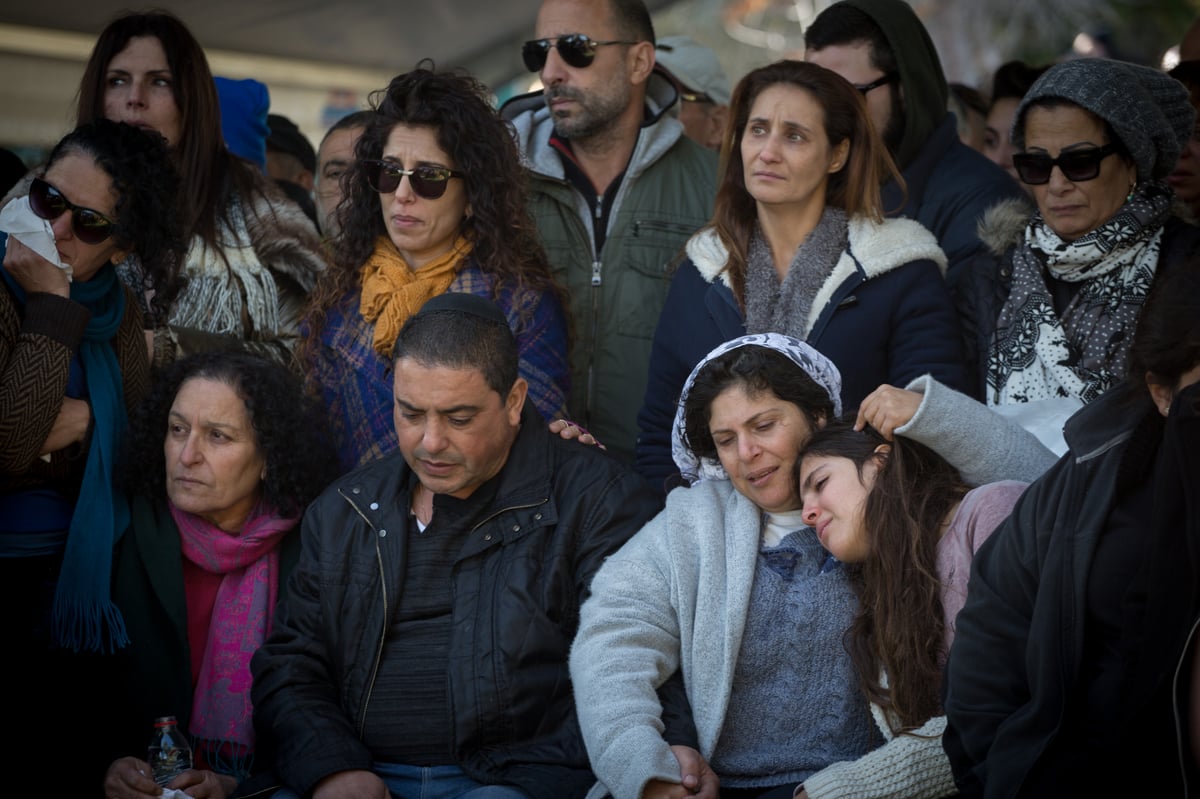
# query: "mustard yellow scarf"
392, 291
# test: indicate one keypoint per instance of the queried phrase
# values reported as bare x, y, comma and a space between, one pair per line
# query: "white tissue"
18, 220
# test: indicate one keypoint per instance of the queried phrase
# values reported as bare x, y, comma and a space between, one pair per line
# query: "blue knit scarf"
84, 617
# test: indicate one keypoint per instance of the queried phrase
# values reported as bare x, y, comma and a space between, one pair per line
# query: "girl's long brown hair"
899, 627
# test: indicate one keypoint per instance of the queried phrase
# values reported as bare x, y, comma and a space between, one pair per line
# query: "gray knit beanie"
1147, 109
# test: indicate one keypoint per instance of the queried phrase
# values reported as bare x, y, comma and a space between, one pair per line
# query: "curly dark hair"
144, 179
290, 429
482, 146
899, 623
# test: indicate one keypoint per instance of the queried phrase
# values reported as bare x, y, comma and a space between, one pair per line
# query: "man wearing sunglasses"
703, 87
882, 48
616, 190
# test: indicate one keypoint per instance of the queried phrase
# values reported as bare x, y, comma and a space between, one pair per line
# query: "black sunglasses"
865, 88
90, 227
428, 182
1076, 165
577, 50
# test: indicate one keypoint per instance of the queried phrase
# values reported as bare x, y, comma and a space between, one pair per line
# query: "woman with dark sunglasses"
253, 254
73, 365
1051, 311
436, 203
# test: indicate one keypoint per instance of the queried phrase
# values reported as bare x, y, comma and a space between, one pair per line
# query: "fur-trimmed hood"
1003, 225
875, 248
878, 247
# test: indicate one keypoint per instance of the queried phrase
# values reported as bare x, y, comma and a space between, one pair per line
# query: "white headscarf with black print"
813, 363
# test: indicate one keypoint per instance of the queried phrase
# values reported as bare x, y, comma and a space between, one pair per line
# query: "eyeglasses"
428, 182
90, 227
577, 50
865, 88
1076, 165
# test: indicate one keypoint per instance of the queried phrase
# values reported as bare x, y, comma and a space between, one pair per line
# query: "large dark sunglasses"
575, 49
428, 182
1076, 165
865, 88
90, 227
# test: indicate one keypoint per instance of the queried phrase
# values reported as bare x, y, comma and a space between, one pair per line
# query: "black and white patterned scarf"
1035, 354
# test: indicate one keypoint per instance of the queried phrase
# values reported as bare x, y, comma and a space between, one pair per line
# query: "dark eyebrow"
807, 483
205, 422
443, 411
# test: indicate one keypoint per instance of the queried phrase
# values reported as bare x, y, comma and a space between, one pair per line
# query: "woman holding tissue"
73, 361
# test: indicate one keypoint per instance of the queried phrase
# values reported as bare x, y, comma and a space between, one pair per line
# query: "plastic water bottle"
169, 753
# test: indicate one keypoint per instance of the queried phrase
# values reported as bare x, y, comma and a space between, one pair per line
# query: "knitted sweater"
675, 597
959, 429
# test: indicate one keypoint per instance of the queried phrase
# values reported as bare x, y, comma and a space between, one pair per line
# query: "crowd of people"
813, 434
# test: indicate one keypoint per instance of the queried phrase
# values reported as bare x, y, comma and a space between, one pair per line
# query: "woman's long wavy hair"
899, 627
146, 187
854, 188
457, 108
290, 429
211, 175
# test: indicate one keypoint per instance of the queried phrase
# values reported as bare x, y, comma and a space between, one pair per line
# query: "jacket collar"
532, 126
1104, 423
377, 489
877, 248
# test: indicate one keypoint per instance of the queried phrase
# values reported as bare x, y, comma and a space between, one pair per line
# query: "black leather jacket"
526, 564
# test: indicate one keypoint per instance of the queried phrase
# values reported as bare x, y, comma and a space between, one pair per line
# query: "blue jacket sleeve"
925, 334
696, 317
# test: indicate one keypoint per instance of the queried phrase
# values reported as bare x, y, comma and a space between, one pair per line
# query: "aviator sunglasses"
575, 49
90, 227
1076, 165
428, 182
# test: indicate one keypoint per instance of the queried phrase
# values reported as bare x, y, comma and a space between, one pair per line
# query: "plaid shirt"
356, 383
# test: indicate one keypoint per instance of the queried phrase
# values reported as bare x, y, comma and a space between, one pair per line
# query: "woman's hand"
33, 272
569, 430
70, 427
887, 408
129, 778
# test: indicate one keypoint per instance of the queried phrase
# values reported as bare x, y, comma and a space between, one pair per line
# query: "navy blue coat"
886, 328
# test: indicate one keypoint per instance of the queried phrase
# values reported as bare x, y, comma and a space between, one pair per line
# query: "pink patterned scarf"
221, 710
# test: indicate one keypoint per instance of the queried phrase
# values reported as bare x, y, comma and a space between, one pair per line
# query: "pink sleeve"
983, 509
